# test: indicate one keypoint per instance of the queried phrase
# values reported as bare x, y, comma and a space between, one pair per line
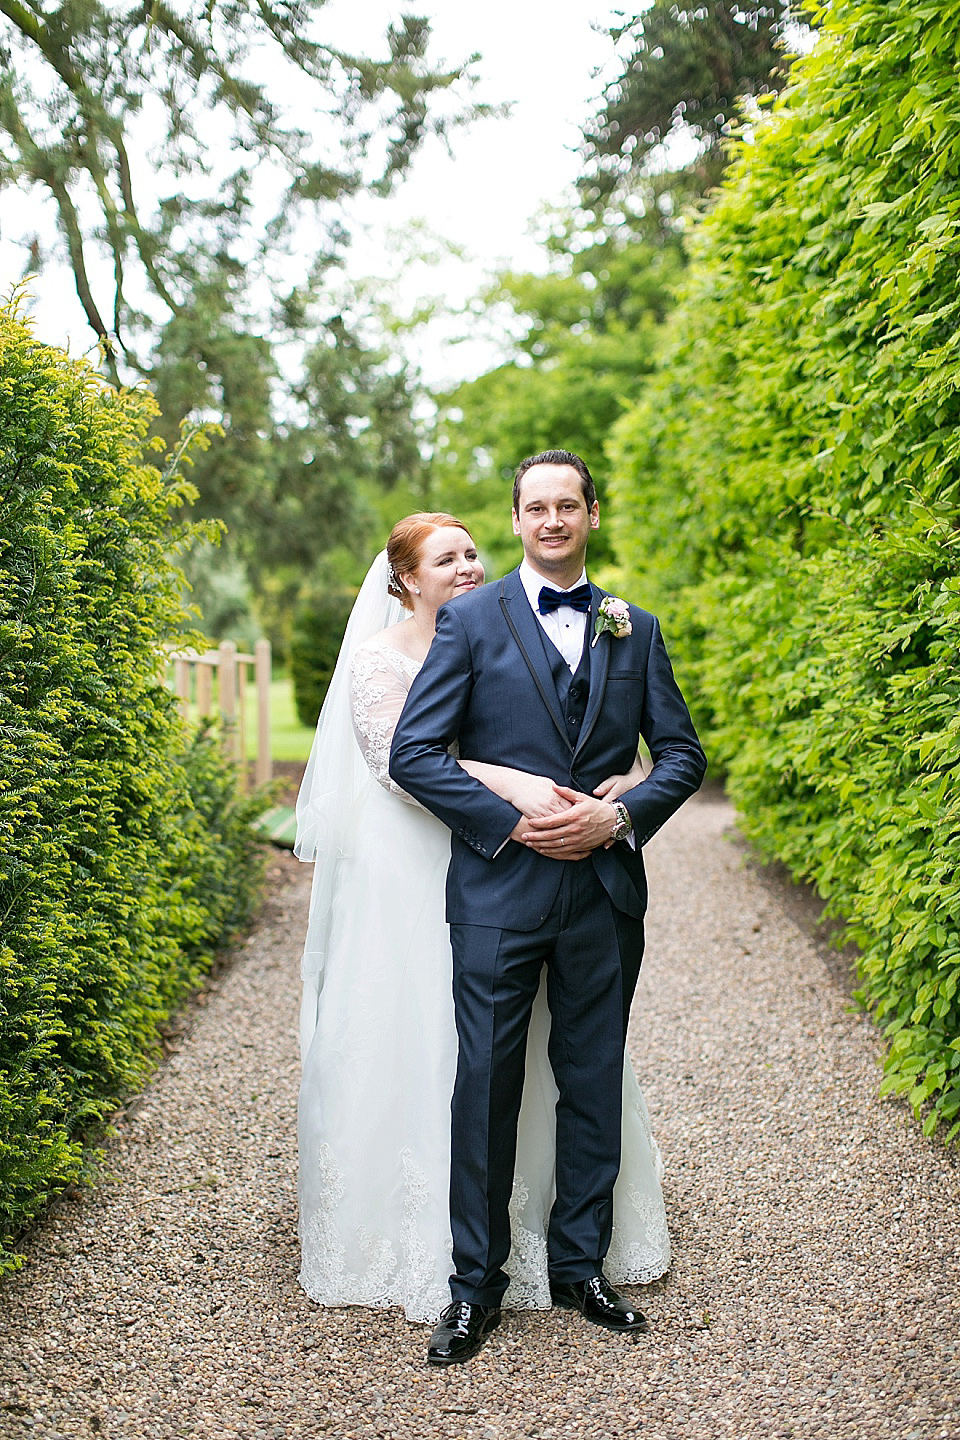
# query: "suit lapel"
525, 628
599, 663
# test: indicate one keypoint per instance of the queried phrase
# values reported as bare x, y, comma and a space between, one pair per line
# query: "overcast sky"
541, 55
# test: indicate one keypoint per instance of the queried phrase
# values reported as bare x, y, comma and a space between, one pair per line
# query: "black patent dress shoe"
461, 1332
599, 1303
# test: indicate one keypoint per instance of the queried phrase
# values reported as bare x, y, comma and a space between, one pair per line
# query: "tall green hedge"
787, 496
125, 858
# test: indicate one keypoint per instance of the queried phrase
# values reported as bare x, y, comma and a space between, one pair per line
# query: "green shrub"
124, 857
317, 632
787, 497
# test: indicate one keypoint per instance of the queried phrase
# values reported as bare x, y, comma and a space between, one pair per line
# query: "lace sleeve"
379, 681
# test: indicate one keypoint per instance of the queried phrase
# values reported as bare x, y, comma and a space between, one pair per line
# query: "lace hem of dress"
640, 1262
410, 1275
639, 1248
408, 1278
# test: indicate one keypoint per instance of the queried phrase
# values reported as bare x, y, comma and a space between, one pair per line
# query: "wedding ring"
562, 841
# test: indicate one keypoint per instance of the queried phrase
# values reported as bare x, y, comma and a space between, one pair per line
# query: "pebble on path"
816, 1233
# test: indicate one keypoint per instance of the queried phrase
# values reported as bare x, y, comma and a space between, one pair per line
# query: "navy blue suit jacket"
486, 683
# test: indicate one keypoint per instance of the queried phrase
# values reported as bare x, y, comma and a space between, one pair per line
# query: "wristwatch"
624, 825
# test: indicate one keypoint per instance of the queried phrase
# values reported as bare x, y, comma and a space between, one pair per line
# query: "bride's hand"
616, 785
535, 796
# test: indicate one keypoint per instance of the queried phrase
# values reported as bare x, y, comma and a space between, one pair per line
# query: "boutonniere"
613, 615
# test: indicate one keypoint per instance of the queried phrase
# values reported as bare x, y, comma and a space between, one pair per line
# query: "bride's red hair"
405, 546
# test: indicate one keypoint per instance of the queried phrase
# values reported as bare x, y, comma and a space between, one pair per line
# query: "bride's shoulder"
387, 646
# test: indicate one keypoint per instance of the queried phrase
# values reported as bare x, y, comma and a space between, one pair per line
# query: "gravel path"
816, 1234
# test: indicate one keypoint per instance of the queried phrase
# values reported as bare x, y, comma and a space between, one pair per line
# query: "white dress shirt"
564, 626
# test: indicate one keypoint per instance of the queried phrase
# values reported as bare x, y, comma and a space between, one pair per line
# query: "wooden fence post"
241, 744
204, 687
261, 670
227, 676
181, 685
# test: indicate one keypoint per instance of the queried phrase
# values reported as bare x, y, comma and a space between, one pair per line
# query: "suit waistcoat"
572, 690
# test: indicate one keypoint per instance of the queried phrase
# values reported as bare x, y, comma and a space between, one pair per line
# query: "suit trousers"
592, 953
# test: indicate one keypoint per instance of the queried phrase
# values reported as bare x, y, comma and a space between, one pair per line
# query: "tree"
684, 67
87, 86
586, 340
581, 339
347, 434
164, 134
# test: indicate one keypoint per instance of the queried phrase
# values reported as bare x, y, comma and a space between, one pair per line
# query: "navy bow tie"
578, 599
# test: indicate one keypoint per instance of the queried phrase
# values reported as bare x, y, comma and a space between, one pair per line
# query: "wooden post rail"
193, 685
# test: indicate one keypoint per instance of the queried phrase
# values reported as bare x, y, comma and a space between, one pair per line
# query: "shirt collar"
533, 583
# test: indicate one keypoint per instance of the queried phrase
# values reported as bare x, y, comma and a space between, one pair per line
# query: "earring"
416, 589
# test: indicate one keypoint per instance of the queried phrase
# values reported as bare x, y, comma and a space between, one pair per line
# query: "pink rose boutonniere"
613, 615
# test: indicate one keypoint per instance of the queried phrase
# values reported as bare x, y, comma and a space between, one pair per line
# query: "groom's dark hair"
556, 457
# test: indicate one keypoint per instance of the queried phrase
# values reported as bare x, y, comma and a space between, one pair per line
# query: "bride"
378, 1040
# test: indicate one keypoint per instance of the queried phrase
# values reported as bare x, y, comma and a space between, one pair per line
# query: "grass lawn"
289, 740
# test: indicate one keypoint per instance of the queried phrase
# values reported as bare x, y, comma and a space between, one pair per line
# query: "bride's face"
449, 565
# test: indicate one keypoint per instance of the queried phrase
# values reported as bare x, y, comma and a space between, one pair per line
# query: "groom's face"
554, 522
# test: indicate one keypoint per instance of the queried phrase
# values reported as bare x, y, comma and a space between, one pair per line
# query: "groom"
514, 677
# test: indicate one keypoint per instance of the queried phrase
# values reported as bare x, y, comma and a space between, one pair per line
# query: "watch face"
624, 824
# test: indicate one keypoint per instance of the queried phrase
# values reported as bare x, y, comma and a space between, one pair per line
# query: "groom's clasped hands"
571, 829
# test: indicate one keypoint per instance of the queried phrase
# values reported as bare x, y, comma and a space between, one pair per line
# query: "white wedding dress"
379, 1043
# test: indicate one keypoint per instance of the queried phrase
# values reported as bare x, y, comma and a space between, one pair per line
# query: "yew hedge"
786, 495
125, 859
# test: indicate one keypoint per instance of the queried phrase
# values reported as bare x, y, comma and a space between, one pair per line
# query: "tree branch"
43, 166
26, 22
70, 222
142, 239
30, 26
